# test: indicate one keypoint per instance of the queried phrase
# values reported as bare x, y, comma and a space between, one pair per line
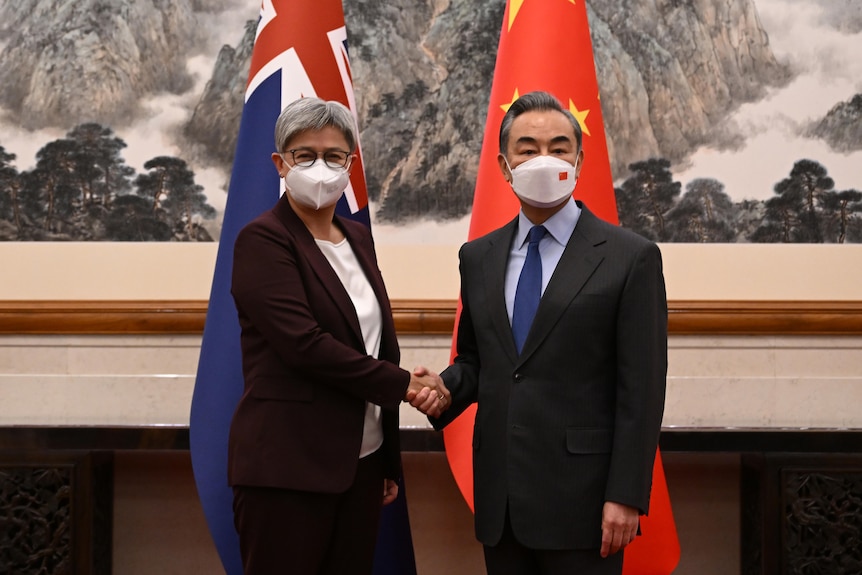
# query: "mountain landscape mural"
118, 120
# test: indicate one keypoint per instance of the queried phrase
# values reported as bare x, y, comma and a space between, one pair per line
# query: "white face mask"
317, 186
543, 181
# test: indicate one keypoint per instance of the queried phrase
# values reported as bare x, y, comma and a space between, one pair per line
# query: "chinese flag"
545, 45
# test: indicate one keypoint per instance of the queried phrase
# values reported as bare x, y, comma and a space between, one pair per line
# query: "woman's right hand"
427, 392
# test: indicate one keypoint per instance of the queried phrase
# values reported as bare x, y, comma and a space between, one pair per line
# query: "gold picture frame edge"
422, 317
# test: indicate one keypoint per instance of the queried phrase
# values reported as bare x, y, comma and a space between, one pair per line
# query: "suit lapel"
308, 249
494, 275
579, 261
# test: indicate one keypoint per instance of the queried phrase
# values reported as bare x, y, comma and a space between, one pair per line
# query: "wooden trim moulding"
425, 317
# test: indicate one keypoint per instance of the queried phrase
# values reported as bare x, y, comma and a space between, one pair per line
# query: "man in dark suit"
569, 381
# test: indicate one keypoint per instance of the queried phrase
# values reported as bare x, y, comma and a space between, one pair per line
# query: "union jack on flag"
300, 50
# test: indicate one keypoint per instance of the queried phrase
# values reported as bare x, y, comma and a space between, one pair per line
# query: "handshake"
427, 393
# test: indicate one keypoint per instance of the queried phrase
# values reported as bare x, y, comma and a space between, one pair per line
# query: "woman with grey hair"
314, 448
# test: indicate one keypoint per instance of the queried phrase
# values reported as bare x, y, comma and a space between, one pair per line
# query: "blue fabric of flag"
254, 188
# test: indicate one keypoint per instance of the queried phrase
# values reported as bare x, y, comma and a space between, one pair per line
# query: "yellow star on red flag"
508, 105
580, 116
515, 7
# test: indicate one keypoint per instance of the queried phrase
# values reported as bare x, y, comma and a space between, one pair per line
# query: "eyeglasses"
305, 157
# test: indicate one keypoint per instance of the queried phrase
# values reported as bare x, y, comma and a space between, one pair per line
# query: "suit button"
519, 378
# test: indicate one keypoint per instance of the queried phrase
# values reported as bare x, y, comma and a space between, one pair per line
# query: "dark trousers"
510, 557
286, 532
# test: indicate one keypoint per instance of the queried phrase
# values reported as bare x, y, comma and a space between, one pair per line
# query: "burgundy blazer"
307, 375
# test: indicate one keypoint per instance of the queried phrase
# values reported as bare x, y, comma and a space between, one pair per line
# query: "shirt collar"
560, 226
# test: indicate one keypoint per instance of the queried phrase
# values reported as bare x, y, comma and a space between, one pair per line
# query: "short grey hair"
541, 101
313, 114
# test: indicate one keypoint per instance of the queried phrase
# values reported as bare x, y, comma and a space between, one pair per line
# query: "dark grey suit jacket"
574, 420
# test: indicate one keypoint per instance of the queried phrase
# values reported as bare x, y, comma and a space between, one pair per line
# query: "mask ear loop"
282, 182
511, 178
284, 161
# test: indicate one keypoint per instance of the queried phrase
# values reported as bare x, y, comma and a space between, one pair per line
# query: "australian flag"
300, 50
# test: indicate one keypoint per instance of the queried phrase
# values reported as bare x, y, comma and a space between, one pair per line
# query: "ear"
504, 168
280, 166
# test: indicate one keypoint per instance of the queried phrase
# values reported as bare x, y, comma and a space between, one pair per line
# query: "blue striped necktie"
529, 290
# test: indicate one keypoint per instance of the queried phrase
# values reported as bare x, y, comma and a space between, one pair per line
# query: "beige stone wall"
176, 271
713, 381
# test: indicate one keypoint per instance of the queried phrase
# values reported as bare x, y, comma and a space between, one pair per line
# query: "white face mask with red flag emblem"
543, 181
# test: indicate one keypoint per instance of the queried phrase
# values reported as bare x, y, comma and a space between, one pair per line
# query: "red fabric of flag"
545, 45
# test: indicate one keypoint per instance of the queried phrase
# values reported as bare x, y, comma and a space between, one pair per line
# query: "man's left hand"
619, 527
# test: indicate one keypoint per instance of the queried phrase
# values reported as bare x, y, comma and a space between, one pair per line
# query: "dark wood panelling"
801, 513
58, 510
765, 317
101, 317
427, 317
672, 439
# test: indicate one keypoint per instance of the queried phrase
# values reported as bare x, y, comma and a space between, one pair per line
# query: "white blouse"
347, 268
